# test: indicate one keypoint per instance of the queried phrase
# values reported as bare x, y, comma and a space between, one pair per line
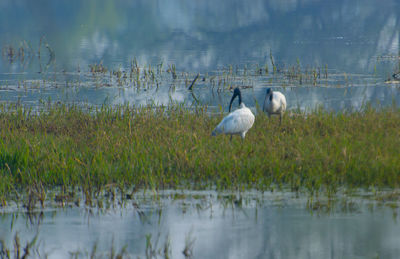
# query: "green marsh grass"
90, 149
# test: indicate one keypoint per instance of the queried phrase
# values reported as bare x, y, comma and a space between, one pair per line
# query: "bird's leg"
280, 119
231, 138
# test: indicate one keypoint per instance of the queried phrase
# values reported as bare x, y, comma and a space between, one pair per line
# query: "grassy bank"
171, 147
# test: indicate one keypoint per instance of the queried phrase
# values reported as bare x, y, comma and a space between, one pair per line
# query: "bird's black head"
269, 94
236, 92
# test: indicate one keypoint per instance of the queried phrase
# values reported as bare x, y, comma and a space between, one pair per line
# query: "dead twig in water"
194, 81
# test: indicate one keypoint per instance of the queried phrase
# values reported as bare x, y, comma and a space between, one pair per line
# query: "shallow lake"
337, 55
354, 43
211, 225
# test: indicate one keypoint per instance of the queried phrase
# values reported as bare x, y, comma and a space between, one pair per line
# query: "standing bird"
274, 103
237, 122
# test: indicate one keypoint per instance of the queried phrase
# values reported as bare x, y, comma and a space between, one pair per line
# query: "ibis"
274, 103
237, 122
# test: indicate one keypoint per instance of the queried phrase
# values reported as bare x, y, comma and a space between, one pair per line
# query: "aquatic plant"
189, 243
98, 68
19, 252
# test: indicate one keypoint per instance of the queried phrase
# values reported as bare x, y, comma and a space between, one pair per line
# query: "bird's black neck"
236, 93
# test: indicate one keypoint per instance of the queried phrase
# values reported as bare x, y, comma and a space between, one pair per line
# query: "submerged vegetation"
69, 147
145, 76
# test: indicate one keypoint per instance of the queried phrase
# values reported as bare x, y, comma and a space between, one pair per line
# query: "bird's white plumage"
275, 106
237, 122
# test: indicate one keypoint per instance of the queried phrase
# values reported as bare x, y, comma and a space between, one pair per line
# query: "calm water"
274, 225
358, 40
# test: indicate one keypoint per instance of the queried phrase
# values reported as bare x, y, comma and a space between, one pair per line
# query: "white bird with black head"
237, 122
274, 103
